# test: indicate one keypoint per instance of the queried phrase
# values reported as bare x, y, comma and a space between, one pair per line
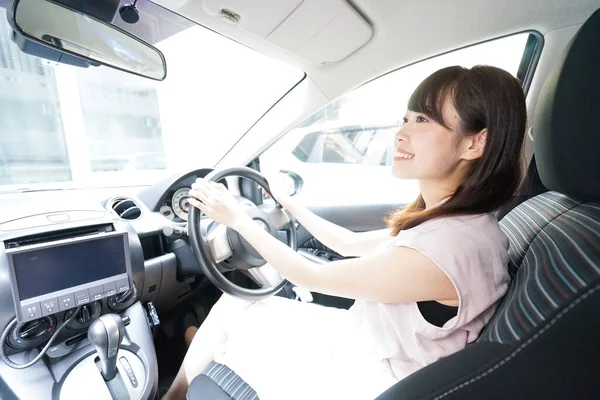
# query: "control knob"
121, 301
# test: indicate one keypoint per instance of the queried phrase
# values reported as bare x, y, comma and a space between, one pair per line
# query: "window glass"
343, 152
64, 126
30, 148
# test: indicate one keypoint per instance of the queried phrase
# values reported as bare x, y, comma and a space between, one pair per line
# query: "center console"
75, 328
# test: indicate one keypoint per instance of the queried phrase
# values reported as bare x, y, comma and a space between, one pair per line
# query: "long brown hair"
484, 97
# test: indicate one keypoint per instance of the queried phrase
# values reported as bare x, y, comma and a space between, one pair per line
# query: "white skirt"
286, 349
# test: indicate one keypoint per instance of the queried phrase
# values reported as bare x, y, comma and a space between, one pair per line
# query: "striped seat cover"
555, 263
230, 382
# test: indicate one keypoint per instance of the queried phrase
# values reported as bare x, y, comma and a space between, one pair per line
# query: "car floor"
170, 353
170, 343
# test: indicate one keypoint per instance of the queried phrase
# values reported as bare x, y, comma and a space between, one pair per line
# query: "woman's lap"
293, 350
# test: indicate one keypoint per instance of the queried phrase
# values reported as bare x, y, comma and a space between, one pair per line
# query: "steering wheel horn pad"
244, 255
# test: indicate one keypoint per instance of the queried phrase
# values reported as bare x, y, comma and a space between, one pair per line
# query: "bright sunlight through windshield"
64, 126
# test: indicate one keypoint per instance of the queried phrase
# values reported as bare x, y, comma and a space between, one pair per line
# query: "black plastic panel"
169, 288
153, 280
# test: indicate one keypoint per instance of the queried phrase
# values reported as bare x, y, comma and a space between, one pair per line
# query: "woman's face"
426, 150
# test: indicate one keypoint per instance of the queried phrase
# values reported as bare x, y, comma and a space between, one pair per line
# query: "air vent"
125, 208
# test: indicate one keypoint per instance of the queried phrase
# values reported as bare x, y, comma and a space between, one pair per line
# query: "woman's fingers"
201, 184
202, 207
219, 186
198, 194
214, 200
207, 187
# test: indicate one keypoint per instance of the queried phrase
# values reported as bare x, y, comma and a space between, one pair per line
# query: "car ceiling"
404, 31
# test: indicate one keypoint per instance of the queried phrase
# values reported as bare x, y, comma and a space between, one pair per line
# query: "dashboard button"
122, 285
82, 297
110, 289
49, 307
31, 312
65, 302
97, 293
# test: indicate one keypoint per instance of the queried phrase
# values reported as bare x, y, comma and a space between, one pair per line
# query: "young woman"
424, 288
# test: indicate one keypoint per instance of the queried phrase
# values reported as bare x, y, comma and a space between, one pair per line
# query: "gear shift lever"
106, 334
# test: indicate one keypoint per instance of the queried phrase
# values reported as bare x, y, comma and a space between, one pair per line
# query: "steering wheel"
219, 249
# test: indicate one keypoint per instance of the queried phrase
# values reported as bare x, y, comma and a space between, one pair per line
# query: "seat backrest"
532, 186
543, 342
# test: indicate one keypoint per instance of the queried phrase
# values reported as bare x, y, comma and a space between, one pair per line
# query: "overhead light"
230, 16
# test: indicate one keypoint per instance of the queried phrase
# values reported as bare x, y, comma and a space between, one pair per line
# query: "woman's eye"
404, 120
422, 119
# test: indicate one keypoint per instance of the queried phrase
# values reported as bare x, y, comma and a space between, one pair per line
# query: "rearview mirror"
72, 32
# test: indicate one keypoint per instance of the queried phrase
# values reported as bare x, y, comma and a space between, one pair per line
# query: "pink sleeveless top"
473, 252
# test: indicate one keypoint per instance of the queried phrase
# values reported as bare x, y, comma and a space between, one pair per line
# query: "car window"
70, 127
355, 144
150, 161
343, 151
109, 164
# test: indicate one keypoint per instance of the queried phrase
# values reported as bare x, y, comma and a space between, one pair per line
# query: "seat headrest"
567, 118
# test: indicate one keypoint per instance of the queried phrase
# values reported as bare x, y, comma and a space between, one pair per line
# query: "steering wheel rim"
203, 253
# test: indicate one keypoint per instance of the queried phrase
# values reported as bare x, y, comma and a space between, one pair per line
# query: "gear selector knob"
106, 334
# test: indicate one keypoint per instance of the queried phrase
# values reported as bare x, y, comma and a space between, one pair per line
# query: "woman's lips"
401, 155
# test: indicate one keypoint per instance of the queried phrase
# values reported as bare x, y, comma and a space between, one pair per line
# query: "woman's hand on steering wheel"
214, 200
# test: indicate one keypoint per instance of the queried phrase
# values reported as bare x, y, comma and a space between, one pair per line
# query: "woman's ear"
475, 145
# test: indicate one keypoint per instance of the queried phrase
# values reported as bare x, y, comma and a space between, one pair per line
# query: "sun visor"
319, 31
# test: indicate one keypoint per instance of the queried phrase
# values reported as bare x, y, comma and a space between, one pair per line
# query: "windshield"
66, 127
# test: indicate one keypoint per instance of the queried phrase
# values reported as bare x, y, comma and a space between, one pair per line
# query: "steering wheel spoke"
266, 276
219, 244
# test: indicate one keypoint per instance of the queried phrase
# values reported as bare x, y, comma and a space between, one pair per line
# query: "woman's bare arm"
342, 240
396, 275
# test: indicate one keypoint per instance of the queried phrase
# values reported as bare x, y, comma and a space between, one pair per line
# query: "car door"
341, 156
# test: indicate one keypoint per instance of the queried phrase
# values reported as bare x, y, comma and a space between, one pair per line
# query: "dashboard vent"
125, 208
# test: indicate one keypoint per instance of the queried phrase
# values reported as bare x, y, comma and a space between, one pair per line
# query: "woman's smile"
402, 155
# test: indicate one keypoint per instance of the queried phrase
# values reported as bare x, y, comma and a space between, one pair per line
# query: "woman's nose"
401, 135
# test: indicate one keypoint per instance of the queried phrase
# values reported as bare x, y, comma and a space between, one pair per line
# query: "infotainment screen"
52, 277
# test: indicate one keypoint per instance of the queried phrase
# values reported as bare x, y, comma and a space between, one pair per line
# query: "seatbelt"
532, 185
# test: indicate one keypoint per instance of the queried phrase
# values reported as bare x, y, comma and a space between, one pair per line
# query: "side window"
355, 144
343, 152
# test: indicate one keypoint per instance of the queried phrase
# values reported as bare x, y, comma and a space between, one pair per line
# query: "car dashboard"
90, 251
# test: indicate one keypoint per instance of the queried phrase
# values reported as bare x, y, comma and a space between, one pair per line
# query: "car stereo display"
52, 277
